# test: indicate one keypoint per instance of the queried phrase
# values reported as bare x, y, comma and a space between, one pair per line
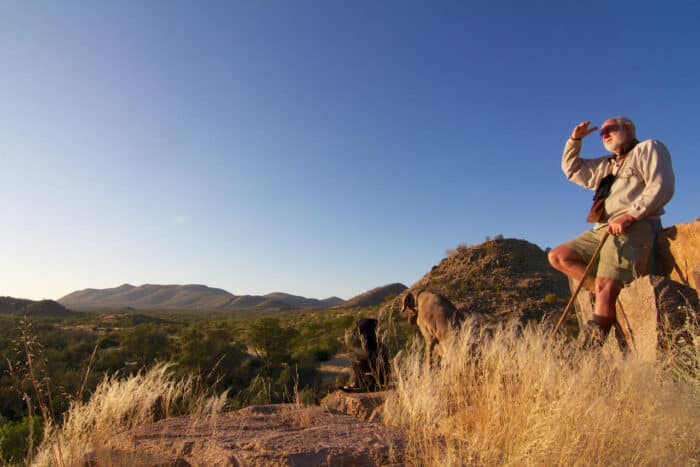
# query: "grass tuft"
118, 407
518, 398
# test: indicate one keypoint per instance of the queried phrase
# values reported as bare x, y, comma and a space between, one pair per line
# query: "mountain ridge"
20, 306
185, 297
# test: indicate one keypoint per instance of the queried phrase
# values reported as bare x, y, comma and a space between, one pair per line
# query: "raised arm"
584, 172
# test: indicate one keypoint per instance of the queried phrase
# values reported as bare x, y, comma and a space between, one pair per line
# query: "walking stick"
580, 284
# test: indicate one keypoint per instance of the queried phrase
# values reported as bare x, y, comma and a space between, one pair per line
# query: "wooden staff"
580, 284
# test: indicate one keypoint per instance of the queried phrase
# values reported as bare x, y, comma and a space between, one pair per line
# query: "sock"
603, 322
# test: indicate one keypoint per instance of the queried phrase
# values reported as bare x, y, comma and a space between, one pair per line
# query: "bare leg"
606, 293
565, 259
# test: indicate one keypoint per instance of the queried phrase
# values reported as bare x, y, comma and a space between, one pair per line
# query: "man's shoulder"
647, 143
650, 146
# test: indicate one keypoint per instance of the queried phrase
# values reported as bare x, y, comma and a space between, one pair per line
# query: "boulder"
270, 435
678, 253
677, 258
362, 405
651, 305
131, 458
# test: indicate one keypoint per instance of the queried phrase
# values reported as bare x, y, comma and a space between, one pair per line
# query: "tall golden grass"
517, 397
117, 408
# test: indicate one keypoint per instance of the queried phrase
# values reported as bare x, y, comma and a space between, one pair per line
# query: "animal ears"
409, 301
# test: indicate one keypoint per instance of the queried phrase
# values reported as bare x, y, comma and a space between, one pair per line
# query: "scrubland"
509, 396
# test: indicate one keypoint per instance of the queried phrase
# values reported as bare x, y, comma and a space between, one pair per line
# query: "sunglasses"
606, 130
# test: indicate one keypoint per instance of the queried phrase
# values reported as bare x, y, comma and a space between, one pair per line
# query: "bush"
15, 441
118, 407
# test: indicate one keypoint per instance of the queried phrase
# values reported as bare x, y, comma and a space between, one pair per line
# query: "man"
642, 183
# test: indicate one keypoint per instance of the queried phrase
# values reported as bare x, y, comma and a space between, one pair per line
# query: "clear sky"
315, 147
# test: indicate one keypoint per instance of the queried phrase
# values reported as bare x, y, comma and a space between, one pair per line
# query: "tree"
271, 342
146, 344
215, 356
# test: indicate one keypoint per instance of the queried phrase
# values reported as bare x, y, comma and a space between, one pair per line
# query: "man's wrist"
575, 139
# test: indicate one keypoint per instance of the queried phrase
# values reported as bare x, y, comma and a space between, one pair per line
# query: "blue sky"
315, 147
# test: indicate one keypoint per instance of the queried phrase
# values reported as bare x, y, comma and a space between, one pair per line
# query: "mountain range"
372, 297
504, 276
186, 297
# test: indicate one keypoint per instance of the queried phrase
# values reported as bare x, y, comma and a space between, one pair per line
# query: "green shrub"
550, 299
15, 441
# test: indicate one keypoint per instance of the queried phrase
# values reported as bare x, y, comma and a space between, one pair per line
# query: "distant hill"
376, 296
19, 306
186, 297
11, 305
499, 279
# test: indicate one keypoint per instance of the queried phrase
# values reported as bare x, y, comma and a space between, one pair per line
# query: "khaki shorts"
623, 257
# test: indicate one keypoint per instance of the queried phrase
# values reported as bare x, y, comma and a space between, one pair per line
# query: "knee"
554, 257
557, 256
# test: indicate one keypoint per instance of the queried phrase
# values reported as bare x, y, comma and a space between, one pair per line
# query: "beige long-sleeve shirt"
643, 186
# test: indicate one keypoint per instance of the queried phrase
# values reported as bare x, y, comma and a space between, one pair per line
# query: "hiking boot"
593, 335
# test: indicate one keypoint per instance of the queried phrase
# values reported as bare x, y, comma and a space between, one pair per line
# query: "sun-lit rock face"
652, 313
650, 303
678, 253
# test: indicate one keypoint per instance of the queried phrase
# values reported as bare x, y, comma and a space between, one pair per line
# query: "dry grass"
118, 407
526, 400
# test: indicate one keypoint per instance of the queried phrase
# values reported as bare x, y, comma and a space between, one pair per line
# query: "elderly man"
632, 186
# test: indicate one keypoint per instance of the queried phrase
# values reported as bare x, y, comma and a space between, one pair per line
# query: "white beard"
616, 142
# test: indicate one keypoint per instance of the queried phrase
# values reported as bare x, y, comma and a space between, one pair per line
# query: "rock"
362, 405
678, 253
271, 435
643, 305
649, 304
131, 458
677, 257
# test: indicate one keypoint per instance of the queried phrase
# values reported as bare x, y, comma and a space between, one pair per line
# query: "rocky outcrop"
271, 435
650, 307
653, 300
362, 405
498, 280
678, 253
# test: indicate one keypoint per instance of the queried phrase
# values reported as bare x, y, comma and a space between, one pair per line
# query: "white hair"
626, 121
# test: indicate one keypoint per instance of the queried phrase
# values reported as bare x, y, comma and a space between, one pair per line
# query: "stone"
270, 435
362, 405
678, 253
649, 304
677, 257
131, 458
